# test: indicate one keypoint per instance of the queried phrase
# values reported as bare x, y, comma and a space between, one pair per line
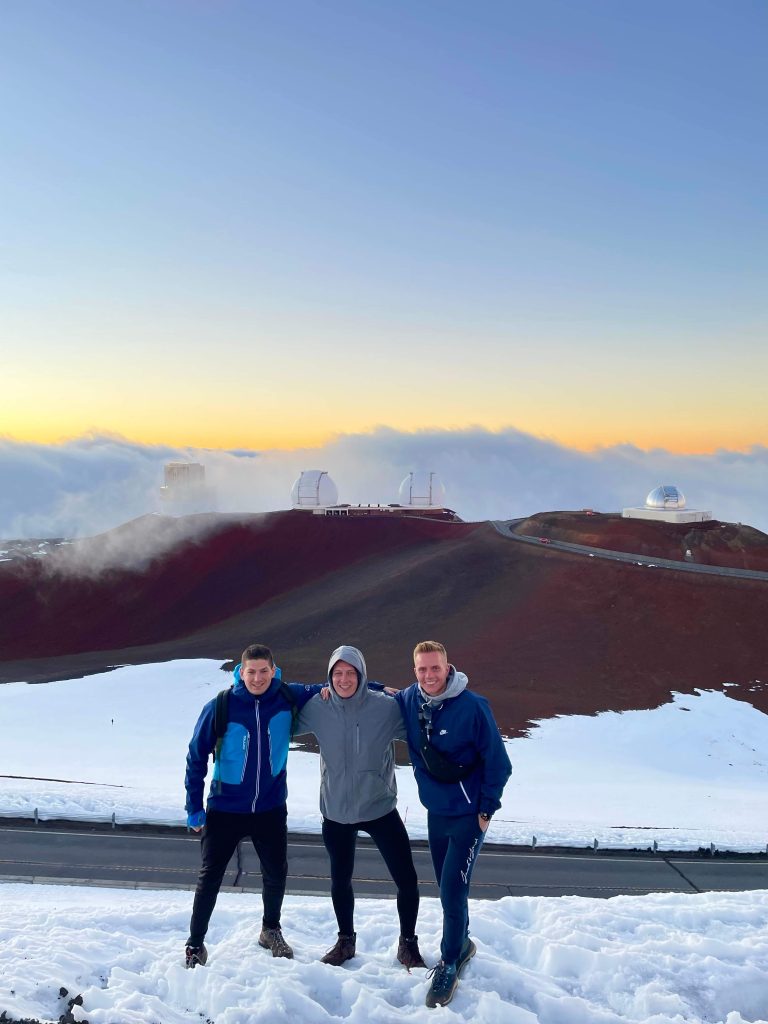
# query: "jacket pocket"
231, 762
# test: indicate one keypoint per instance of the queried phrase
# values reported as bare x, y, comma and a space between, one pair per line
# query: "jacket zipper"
465, 793
258, 756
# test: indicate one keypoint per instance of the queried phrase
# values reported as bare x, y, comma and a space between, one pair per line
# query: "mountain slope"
540, 632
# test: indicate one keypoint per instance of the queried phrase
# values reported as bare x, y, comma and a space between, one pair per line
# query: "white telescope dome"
314, 489
665, 496
422, 490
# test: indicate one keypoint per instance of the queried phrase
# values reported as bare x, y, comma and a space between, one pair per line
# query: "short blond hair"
428, 647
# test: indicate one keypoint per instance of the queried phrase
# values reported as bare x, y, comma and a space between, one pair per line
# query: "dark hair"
257, 652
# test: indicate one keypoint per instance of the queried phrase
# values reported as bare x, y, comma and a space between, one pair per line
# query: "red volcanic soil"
714, 543
111, 592
539, 631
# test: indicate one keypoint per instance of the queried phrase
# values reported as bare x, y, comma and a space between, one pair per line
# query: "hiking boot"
272, 938
342, 951
468, 951
195, 956
408, 952
445, 978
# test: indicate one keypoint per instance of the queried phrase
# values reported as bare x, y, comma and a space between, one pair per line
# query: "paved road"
507, 529
169, 859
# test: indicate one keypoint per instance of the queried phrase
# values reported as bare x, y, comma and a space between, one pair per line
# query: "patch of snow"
660, 959
115, 743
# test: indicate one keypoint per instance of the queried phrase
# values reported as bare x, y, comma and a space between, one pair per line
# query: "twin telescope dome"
315, 489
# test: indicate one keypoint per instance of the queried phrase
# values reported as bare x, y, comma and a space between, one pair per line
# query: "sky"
687, 774
247, 226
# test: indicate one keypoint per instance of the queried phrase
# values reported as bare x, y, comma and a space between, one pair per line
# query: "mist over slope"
540, 632
92, 483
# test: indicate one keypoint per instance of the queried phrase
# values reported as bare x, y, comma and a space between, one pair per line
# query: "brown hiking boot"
342, 951
195, 956
408, 952
272, 938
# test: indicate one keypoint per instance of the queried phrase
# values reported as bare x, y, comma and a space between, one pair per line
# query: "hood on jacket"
455, 684
355, 658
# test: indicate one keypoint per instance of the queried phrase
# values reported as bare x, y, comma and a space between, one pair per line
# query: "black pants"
391, 838
222, 832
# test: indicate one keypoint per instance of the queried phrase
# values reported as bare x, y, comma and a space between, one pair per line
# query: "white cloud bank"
92, 483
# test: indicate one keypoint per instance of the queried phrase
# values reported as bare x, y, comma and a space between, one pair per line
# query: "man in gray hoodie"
355, 729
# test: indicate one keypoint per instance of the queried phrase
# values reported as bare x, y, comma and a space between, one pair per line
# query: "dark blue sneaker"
468, 951
445, 978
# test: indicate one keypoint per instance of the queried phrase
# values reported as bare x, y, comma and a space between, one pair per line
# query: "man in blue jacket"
248, 793
461, 767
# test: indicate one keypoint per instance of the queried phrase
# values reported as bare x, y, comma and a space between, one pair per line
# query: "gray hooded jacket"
355, 734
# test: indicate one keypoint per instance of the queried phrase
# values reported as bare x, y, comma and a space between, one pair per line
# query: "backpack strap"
220, 720
440, 767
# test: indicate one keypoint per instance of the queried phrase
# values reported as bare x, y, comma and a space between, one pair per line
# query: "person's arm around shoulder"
304, 692
399, 732
309, 715
201, 746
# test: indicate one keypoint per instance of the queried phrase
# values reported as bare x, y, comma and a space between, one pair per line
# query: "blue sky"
256, 225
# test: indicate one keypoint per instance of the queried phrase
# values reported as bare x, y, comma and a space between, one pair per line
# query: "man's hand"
483, 823
196, 821
391, 690
325, 693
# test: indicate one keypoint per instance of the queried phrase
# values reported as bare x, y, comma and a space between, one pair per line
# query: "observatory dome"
665, 496
314, 489
422, 490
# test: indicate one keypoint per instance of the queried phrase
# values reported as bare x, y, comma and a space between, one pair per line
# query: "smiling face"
257, 675
431, 668
344, 679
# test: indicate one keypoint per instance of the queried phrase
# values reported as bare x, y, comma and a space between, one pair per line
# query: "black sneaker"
343, 950
272, 938
408, 952
195, 956
445, 978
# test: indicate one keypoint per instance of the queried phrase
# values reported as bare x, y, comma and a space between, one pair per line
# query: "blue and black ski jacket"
249, 774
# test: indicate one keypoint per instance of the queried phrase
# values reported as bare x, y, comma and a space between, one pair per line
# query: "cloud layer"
93, 483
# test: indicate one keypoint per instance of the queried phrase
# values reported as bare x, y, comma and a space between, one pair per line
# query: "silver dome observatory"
666, 503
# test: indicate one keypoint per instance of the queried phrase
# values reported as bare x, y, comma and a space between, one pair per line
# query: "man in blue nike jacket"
248, 793
461, 767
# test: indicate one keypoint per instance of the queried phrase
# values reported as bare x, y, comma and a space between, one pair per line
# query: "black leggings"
223, 831
390, 836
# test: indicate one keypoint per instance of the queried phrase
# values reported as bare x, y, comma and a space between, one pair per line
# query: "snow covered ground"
662, 959
692, 772
686, 774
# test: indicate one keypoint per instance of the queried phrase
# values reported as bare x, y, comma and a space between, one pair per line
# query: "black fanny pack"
440, 767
